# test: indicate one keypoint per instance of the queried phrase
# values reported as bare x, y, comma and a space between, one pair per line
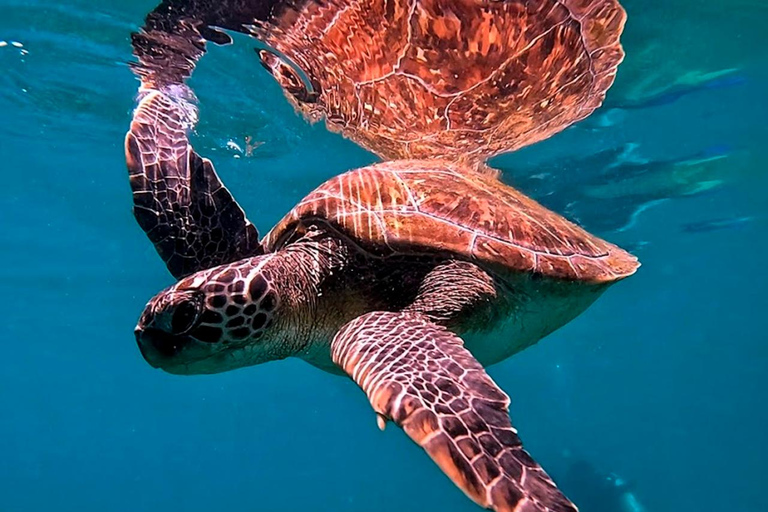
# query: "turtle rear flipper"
420, 376
179, 201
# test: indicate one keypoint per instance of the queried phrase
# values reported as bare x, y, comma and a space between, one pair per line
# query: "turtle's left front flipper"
179, 201
420, 376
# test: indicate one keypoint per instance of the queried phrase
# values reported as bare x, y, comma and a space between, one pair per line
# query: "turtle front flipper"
179, 201
420, 376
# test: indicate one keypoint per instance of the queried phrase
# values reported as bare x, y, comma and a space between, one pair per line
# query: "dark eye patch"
259, 321
217, 288
241, 333
207, 334
258, 287
211, 317
268, 302
237, 287
236, 322
217, 301
227, 277
184, 317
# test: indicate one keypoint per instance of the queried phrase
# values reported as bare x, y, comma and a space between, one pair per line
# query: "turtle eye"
287, 75
185, 316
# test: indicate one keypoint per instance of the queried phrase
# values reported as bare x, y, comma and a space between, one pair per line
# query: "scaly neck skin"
300, 274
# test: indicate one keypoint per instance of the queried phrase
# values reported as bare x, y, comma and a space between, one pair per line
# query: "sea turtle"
461, 79
410, 275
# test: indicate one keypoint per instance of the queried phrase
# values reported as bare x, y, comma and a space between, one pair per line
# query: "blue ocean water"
661, 382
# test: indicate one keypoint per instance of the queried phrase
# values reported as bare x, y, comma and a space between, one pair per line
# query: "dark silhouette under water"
719, 224
607, 191
596, 491
677, 91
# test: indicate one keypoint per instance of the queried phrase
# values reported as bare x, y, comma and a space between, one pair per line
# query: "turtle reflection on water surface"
410, 275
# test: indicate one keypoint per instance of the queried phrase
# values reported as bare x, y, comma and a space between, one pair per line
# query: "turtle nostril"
161, 342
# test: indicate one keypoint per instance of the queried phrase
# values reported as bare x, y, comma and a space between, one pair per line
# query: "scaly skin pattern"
179, 201
435, 206
420, 376
250, 311
385, 272
460, 79
212, 320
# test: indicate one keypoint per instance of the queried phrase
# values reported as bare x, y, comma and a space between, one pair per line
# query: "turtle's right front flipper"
419, 375
178, 199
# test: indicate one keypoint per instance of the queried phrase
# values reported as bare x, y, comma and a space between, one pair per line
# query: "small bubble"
3, 43
234, 146
17, 44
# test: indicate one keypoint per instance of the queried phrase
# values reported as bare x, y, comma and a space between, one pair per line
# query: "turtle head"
213, 321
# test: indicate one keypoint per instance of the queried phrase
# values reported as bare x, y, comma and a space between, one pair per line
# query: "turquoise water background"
662, 381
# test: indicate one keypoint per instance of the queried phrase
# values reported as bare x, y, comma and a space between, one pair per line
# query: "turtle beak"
179, 354
159, 347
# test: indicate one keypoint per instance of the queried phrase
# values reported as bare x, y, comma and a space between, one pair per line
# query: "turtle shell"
438, 207
456, 79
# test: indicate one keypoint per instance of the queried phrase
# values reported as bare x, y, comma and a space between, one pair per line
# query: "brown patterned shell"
414, 207
455, 79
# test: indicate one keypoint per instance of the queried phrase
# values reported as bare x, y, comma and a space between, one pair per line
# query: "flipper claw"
381, 421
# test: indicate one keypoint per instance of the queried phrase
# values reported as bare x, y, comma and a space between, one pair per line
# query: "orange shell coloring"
462, 80
407, 206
